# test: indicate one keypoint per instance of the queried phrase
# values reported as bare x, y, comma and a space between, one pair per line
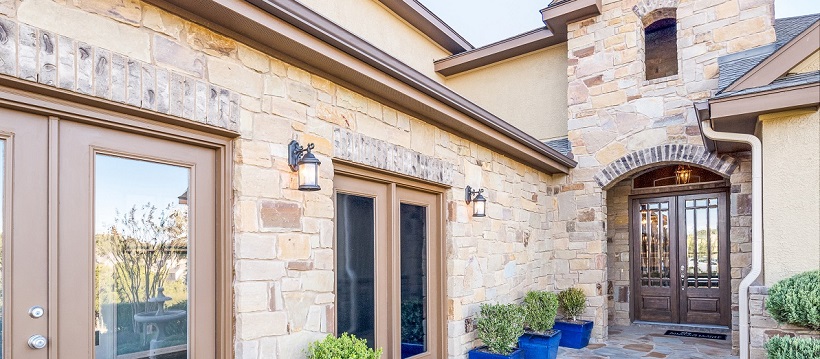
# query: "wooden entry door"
680, 259
111, 236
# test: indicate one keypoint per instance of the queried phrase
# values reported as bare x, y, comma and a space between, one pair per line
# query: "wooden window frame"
437, 291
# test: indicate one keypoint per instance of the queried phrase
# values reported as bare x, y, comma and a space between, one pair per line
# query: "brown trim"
429, 24
558, 16
498, 51
352, 169
740, 113
289, 30
781, 61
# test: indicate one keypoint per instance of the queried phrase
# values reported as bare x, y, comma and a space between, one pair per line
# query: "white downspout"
757, 224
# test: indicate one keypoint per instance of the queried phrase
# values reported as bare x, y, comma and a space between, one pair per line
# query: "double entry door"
680, 259
108, 243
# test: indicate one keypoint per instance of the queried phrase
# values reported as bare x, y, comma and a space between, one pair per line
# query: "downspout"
757, 220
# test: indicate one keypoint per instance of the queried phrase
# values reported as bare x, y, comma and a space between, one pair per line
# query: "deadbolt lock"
36, 311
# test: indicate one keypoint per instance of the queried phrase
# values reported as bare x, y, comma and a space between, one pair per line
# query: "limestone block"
256, 181
47, 58
293, 246
319, 281
253, 59
171, 53
251, 296
90, 28
297, 305
234, 76
255, 246
203, 39
261, 324
280, 215
162, 21
127, 11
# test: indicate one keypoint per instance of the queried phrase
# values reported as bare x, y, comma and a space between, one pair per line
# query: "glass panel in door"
2, 235
655, 245
654, 271
413, 228
355, 263
141, 259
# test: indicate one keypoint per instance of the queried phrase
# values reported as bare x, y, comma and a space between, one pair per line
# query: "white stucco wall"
791, 193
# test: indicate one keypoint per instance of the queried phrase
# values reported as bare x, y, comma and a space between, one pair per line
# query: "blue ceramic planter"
479, 353
410, 349
540, 346
574, 334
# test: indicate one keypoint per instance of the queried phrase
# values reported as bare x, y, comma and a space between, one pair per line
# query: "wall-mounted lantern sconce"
480, 203
683, 174
303, 161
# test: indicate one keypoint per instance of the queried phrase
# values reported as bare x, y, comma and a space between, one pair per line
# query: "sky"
485, 21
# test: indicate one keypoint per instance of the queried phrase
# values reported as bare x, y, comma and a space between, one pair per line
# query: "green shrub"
412, 321
499, 326
572, 302
793, 348
539, 310
346, 346
796, 300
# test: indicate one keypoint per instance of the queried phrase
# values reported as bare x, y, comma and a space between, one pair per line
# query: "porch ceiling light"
683, 174
480, 203
302, 160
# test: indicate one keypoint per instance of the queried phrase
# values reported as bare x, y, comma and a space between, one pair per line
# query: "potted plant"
540, 340
499, 326
412, 328
345, 346
574, 333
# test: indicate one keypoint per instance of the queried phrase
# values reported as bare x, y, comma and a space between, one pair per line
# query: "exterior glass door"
107, 243
680, 248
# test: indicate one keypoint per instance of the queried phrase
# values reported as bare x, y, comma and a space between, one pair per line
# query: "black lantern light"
480, 203
303, 161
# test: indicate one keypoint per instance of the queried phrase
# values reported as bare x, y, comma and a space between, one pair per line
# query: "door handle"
37, 341
682, 278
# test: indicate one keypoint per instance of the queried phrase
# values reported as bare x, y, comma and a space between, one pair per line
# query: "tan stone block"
293, 246
286, 108
253, 153
609, 99
726, 10
234, 76
127, 11
350, 100
610, 153
7, 7
246, 217
297, 74
255, 246
278, 67
261, 324
272, 129
253, 59
95, 30
251, 296
162, 21
322, 84
319, 281
422, 138
751, 41
301, 93
256, 181
211, 43
739, 29
259, 270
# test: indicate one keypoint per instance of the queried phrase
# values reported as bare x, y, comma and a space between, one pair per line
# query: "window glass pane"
355, 262
141, 259
655, 256
713, 246
413, 280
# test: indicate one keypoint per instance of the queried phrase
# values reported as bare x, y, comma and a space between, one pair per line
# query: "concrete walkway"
639, 341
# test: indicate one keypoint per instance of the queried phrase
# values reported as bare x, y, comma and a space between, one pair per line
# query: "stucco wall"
376, 24
283, 238
811, 63
529, 91
791, 193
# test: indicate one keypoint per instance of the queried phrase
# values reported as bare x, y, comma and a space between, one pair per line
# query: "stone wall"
615, 112
283, 238
764, 327
618, 255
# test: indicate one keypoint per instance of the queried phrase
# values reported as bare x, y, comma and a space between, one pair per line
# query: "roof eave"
429, 24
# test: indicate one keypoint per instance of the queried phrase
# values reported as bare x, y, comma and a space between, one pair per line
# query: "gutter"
702, 111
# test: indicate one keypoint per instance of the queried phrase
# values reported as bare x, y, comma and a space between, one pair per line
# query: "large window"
388, 266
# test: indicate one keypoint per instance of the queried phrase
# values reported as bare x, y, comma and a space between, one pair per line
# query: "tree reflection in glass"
141, 248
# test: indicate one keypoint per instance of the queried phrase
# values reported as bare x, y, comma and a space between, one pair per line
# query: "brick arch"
650, 11
664, 154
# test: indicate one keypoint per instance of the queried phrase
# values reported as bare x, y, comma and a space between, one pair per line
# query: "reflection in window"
141, 250
655, 244
702, 243
413, 280
355, 263
2, 234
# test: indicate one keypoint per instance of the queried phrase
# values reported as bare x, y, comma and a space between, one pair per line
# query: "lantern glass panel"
308, 174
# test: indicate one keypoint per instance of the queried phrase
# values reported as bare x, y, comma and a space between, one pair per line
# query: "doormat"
683, 333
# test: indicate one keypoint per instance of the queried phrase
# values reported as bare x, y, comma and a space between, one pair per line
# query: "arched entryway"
669, 211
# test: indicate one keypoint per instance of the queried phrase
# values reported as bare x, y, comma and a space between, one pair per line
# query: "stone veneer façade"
283, 238
614, 112
763, 326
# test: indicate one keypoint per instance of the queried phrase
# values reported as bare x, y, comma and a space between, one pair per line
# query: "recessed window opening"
671, 176
661, 55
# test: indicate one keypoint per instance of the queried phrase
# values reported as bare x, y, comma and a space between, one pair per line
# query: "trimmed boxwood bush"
572, 302
346, 346
499, 326
793, 348
796, 300
539, 310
